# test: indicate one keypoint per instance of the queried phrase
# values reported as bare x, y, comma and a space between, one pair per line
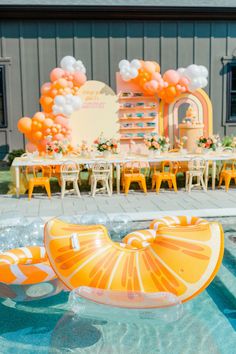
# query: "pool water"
207, 326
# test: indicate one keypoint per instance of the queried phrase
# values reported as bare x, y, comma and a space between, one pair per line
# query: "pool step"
228, 283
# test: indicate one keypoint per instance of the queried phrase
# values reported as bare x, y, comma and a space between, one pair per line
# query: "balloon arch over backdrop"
74, 109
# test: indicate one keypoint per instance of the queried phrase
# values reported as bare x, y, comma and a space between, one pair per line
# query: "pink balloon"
45, 88
59, 137
56, 74
171, 76
79, 78
30, 147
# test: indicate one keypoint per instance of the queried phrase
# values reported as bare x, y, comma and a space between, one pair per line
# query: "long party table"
117, 160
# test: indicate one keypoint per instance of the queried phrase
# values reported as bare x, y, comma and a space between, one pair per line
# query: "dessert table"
117, 160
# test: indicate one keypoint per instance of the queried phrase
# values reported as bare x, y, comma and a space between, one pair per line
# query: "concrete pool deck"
137, 205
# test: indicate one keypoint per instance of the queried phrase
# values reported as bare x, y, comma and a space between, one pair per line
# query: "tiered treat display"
138, 116
191, 128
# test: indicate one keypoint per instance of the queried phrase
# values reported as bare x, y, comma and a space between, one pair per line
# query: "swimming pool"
208, 324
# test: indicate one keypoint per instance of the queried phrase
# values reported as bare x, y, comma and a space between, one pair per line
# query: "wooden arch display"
201, 103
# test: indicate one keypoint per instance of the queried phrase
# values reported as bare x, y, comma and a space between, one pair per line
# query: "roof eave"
116, 12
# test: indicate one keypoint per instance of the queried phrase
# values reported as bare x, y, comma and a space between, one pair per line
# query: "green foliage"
227, 141
13, 154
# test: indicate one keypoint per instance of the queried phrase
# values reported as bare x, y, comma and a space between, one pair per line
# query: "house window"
3, 116
231, 116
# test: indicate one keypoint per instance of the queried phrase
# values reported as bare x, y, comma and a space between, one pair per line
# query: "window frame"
4, 99
230, 119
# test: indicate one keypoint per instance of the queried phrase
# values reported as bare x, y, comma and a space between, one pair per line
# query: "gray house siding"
36, 47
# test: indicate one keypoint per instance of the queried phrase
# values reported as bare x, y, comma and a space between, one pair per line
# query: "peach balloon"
62, 121
30, 147
63, 82
45, 88
48, 131
171, 76
56, 74
149, 66
79, 78
48, 123
59, 137
24, 125
184, 81
156, 76
157, 66
39, 116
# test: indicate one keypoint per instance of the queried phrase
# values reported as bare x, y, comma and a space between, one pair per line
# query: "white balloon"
59, 100
204, 71
124, 70
193, 71
122, 63
181, 71
204, 82
133, 73
136, 63
79, 66
67, 62
68, 110
57, 109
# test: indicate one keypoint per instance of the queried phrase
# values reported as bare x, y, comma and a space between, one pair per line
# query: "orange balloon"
37, 135
24, 125
47, 103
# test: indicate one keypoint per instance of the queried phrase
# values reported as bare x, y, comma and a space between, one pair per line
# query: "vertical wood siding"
35, 48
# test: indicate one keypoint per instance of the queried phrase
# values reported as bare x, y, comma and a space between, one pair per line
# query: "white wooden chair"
101, 172
70, 174
196, 170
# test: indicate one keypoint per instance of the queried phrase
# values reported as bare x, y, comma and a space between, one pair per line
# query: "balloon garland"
59, 99
167, 87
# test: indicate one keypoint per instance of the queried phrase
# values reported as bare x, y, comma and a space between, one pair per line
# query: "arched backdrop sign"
98, 113
201, 103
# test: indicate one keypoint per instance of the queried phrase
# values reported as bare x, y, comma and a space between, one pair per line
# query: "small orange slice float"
25, 265
182, 259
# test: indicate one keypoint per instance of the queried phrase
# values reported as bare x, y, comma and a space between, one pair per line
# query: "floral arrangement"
157, 143
211, 142
57, 147
104, 144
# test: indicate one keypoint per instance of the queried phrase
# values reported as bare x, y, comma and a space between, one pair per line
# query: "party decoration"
129, 70
167, 86
59, 99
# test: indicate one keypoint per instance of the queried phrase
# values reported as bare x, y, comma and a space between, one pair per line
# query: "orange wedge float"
181, 257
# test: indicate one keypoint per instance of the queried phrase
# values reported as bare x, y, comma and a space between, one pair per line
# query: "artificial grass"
6, 179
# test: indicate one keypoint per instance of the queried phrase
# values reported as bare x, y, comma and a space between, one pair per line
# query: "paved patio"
136, 204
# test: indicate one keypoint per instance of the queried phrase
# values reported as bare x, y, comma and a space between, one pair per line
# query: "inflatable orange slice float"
182, 258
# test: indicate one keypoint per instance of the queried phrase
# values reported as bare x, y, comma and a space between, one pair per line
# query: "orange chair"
227, 173
169, 175
33, 178
183, 166
132, 172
